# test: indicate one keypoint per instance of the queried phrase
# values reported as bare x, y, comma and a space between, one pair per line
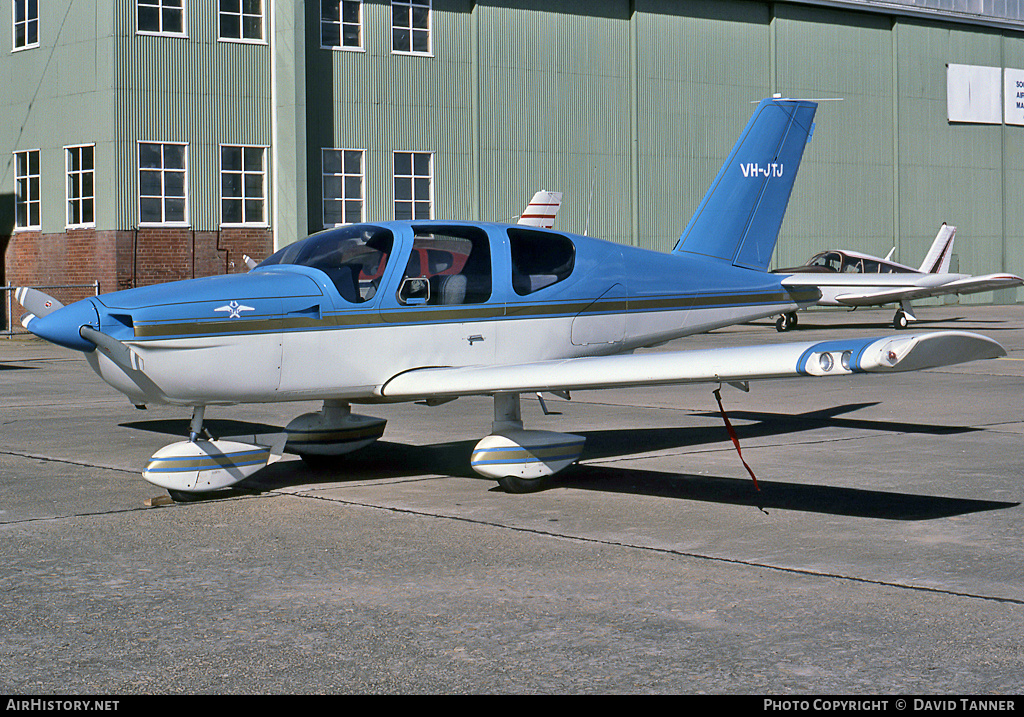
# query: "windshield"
354, 257
829, 260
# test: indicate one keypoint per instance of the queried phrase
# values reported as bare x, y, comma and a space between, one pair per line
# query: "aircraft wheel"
899, 321
517, 484
793, 320
783, 323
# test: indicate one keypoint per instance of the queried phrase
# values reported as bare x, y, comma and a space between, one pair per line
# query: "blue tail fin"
739, 218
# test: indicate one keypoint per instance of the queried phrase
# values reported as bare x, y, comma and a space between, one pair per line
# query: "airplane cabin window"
354, 257
539, 259
447, 266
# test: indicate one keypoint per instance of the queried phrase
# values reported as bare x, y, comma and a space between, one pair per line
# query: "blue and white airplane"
434, 310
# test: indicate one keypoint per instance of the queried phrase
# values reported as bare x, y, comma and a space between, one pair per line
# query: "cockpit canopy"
842, 263
447, 264
354, 257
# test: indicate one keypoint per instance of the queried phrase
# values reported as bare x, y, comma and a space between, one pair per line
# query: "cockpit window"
539, 259
354, 257
447, 266
833, 261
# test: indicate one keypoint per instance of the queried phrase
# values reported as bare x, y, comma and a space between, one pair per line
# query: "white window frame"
412, 178
75, 177
242, 173
159, 4
163, 186
242, 14
31, 198
344, 175
411, 27
341, 27
26, 22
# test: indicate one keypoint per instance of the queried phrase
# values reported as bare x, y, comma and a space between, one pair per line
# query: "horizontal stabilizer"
845, 356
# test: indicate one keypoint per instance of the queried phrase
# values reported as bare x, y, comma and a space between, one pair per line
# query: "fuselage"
338, 314
837, 273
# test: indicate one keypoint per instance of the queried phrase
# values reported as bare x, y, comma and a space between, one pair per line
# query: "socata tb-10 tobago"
433, 310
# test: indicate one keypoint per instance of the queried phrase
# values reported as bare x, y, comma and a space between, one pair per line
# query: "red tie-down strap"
732, 435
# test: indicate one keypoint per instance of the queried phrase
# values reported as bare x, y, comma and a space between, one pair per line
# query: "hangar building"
150, 140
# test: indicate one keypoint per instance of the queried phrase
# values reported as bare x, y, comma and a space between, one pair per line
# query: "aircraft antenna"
590, 199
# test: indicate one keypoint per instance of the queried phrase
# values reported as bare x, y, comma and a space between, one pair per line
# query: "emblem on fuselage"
235, 309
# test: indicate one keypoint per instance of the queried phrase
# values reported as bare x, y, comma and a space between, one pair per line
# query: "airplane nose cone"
61, 327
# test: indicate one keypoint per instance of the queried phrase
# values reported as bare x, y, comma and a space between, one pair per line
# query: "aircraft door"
443, 305
604, 321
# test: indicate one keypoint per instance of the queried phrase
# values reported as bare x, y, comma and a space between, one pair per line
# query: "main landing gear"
520, 459
899, 321
786, 322
904, 315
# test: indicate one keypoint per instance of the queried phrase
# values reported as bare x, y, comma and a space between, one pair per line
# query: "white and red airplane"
849, 278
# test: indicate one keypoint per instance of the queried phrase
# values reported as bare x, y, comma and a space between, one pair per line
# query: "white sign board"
1013, 96
974, 94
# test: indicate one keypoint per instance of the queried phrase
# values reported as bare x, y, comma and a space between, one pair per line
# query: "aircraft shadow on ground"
808, 498
387, 460
10, 367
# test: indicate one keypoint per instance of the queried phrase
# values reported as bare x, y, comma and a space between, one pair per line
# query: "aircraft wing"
886, 354
968, 285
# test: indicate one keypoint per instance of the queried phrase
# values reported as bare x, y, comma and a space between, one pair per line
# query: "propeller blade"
36, 301
121, 354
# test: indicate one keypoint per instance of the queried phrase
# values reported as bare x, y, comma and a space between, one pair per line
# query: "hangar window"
242, 185
26, 24
539, 259
447, 266
414, 185
410, 27
341, 24
161, 17
81, 186
343, 186
163, 195
241, 20
354, 257
26, 189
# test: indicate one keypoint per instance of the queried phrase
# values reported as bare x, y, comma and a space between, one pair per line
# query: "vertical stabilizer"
936, 261
739, 218
542, 209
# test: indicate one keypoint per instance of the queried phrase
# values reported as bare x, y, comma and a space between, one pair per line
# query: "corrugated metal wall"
628, 107
192, 89
56, 95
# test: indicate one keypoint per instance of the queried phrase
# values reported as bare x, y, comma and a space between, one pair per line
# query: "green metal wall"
56, 95
192, 89
628, 107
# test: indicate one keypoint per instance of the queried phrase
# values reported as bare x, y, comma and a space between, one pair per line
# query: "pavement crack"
67, 461
669, 551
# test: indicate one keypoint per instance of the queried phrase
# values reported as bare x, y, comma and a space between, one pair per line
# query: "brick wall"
124, 259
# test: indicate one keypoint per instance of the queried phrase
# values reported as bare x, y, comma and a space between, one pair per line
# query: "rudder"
739, 218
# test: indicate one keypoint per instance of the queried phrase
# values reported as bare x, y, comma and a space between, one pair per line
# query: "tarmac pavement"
881, 555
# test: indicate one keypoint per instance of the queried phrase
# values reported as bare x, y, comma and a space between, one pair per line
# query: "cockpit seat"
451, 289
346, 281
